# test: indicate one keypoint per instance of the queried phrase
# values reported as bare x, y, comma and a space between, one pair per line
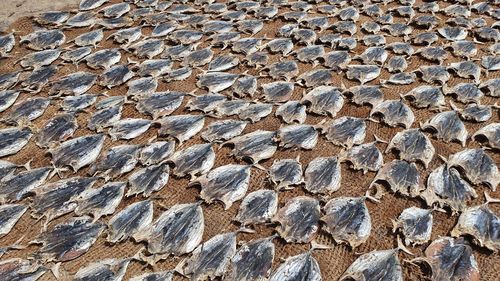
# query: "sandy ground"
10, 10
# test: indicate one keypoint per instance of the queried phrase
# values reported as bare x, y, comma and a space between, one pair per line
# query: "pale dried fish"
76, 55
127, 35
323, 175
292, 112
400, 176
115, 10
130, 221
300, 267
282, 69
393, 113
257, 207
205, 103
100, 201
426, 96
13, 139
345, 131
362, 73
256, 111
77, 152
415, 224
108, 269
198, 58
103, 59
491, 133
181, 127
347, 220
91, 38
464, 92
195, 160
7, 99
9, 215
477, 166
315, 77
277, 91
413, 146
491, 87
231, 107
91, 4
297, 136
337, 60
375, 265
38, 59
129, 128
73, 84
27, 110
22, 184
8, 80
252, 261
216, 81
59, 128
156, 152
373, 55
116, 161
280, 45
147, 48
223, 130
434, 73
447, 126
365, 157
43, 39
254, 146
7, 43
475, 112
19, 269
362, 95
38, 79
160, 104
467, 69
148, 180
299, 219
104, 118
246, 85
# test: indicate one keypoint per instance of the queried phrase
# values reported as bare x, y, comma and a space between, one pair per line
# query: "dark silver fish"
19, 269
198, 58
231, 107
478, 167
401, 78
22, 184
286, 172
110, 101
345, 131
401, 177
194, 160
134, 219
397, 64
181, 127
413, 145
347, 219
156, 152
277, 91
129, 128
127, 35
491, 87
475, 112
115, 10
9, 215
299, 219
68, 240
280, 45
365, 157
108, 269
148, 180
375, 265
258, 207
226, 184
256, 111
154, 67
13, 139
463, 48
55, 199
216, 81
205, 103
59, 128
362, 73
254, 146
100, 201
467, 69
43, 39
75, 104
373, 55
116, 161
257, 59
425, 38
252, 261
8, 80
163, 29
27, 110
7, 169
393, 113
415, 224
337, 60
77, 152
91, 38
247, 45
38, 79
447, 127
426, 96
491, 133
177, 231
73, 84
297, 136
38, 59
401, 48
300, 267
91, 4
115, 76
7, 99
104, 118
147, 48
222, 63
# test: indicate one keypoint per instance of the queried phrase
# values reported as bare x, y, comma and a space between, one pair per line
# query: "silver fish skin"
27, 110
115, 76
115, 10
57, 129
108, 269
160, 104
284, 173
81, 19
103, 59
246, 85
8, 80
7, 99
68, 240
299, 219
481, 223
324, 100
104, 118
292, 112
76, 104
426, 97
254, 146
415, 224
22, 184
19, 269
9, 215
401, 176
73, 84
300, 267
256, 111
223, 130
156, 152
448, 127
323, 175
148, 180
78, 152
195, 160
216, 81
43, 39
116, 161
154, 68
365, 157
126, 35
7, 169
413, 145
393, 113
345, 131
212, 258
38, 79
55, 199
129, 128
258, 207
252, 261
299, 136
276, 92
76, 55
177, 231
91, 38
491, 133
142, 86
12, 140
365, 95
91, 4
7, 43
147, 48
372, 265
135, 218
477, 166
227, 184
181, 127
100, 201
38, 59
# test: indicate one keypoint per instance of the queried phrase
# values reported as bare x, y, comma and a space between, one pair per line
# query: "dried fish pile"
209, 137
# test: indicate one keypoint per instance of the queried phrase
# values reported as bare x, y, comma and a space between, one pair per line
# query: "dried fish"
491, 133
198, 58
160, 104
300, 267
38, 59
206, 103
100, 201
286, 172
315, 77
475, 112
257, 59
299, 219
400, 176
324, 100
277, 91
227, 184
258, 207
73, 84
76, 55
103, 59
373, 55
426, 96
148, 180
337, 60
13, 139
478, 167
362, 95
463, 48
292, 111
323, 175
10, 214
365, 157
104, 118
447, 126
7, 43
91, 38
401, 48
27, 110
176, 231
223, 63
362, 73
280, 45
68, 240
156, 152
393, 113
7, 99
19, 269
181, 127
216, 81
467, 69
108, 269
397, 64
464, 92
347, 219
231, 107
38, 79
53, 200
43, 39
147, 48
253, 260
297, 136
434, 74
130, 221
375, 265
246, 85
413, 146
415, 224
256, 111
116, 161
223, 130
8, 80
22, 184
127, 35
401, 78
59, 128
195, 160
282, 69
345, 131
91, 4
491, 87
115, 10
254, 146
129, 128
77, 152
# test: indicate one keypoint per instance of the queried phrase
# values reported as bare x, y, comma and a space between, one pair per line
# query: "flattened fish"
13, 139
258, 207
277, 91
227, 184
345, 131
55, 199
129, 128
365, 157
446, 187
7, 99
142, 86
116, 161
283, 69
91, 38
73, 84
36, 60
115, 76
176, 232
297, 136
363, 73
100, 201
76, 55
68, 240
156, 152
195, 160
299, 219
7, 43
77, 152
415, 224
451, 259
413, 145
38, 79
91, 4
245, 85
478, 167
300, 267
148, 180
27, 110
426, 96
9, 215
22, 270
57, 129
216, 81
43, 39
181, 127
211, 259
19, 186
255, 146
108, 269
465, 92
135, 218
323, 175
362, 95
160, 104
447, 126
375, 265
393, 113
286, 172
491, 133
103, 59
292, 112
252, 261
347, 219
400, 176
256, 111
104, 118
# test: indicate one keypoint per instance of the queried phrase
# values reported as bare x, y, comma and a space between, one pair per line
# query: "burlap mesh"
334, 261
